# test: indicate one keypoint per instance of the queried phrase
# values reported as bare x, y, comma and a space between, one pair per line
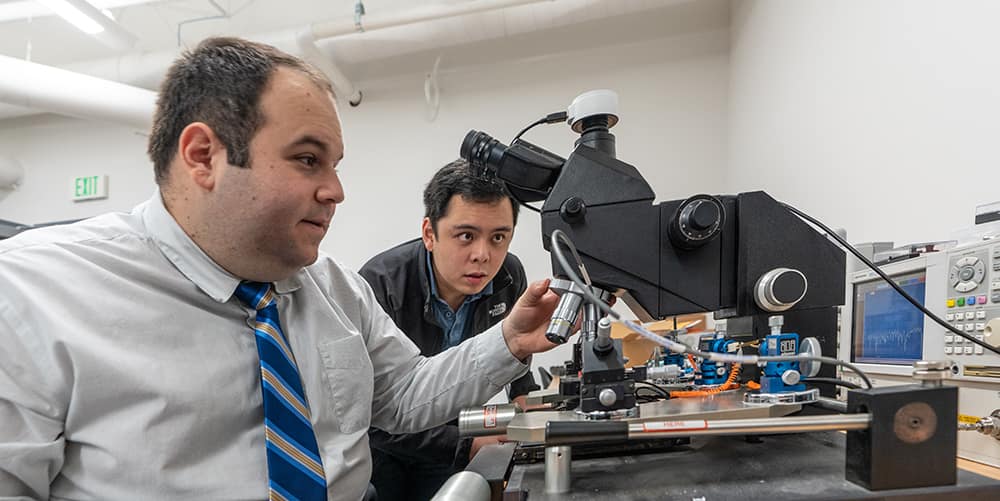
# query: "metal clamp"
932, 372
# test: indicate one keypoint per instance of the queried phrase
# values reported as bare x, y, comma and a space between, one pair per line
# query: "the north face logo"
498, 309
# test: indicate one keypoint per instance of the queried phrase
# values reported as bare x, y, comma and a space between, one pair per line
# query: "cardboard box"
638, 349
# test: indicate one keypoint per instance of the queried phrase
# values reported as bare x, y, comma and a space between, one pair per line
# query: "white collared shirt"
128, 370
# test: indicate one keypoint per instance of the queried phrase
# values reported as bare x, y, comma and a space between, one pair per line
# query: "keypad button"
981, 314
947, 350
979, 350
950, 317
980, 326
969, 327
969, 315
968, 350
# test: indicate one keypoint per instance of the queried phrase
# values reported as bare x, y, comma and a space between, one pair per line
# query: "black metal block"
912, 440
494, 462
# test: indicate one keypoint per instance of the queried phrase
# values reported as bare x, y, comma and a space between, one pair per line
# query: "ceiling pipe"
362, 22
148, 69
56, 90
343, 87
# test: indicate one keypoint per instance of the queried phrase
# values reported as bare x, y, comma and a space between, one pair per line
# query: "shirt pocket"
349, 381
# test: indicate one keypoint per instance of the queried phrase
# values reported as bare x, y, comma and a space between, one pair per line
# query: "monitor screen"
887, 329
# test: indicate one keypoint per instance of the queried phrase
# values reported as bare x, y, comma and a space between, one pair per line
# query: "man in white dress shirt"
129, 369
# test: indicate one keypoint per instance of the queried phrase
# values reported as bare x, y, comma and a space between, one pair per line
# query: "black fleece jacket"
399, 277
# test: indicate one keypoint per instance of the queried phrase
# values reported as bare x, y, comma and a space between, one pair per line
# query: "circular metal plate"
616, 414
914, 422
792, 397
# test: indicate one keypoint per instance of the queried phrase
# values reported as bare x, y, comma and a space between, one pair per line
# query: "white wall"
54, 150
877, 116
673, 96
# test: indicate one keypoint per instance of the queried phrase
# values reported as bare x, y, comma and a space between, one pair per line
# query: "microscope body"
735, 255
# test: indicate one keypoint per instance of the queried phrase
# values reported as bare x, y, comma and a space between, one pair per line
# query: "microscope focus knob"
697, 221
780, 289
704, 216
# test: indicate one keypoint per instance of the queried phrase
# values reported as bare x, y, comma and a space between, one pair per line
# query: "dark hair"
219, 83
456, 179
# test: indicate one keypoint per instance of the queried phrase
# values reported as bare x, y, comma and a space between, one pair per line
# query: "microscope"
743, 256
739, 255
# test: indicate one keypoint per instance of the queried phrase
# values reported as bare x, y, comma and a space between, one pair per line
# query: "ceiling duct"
94, 94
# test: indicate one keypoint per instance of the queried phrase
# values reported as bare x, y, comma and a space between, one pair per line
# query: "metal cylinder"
603, 343
486, 420
564, 318
558, 469
753, 426
831, 404
663, 372
932, 373
464, 486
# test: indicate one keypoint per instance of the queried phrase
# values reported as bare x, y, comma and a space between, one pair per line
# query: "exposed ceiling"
169, 24
164, 27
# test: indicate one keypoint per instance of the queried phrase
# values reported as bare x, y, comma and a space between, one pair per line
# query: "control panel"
972, 305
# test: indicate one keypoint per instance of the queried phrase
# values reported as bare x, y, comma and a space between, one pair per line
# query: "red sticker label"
490, 416
675, 425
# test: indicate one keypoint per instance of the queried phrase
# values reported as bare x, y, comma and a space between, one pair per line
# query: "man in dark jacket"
449, 285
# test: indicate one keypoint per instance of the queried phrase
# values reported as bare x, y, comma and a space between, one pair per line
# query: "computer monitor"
886, 328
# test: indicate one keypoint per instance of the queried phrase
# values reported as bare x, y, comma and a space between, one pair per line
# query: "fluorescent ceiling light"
90, 20
24, 9
74, 16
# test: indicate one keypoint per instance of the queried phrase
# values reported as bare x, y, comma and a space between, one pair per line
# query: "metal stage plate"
530, 426
777, 467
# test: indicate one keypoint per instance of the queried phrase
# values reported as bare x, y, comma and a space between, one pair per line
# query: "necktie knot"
256, 295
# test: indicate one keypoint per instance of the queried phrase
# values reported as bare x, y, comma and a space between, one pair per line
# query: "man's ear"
197, 146
427, 234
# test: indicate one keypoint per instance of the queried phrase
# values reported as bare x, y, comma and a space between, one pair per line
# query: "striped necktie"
294, 467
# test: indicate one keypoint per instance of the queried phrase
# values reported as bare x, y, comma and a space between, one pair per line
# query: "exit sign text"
90, 188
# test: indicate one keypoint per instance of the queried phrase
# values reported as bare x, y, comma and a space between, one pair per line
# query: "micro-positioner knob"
696, 222
780, 289
791, 377
607, 397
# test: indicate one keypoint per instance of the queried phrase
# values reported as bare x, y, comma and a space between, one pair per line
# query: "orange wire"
730, 384
693, 364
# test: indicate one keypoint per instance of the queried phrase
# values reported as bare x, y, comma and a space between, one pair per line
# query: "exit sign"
90, 188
